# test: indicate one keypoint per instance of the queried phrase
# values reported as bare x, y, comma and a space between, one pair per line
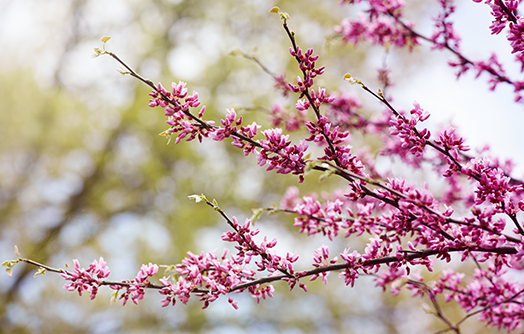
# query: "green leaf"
123, 71
114, 296
197, 198
9, 271
256, 215
169, 270
40, 271
166, 134
10, 263
274, 211
325, 175
284, 17
105, 39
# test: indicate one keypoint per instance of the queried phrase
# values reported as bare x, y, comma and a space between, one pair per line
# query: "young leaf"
40, 271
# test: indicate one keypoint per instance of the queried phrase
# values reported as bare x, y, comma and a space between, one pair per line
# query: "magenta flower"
88, 280
279, 154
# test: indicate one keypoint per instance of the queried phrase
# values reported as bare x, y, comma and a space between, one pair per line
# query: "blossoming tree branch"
408, 227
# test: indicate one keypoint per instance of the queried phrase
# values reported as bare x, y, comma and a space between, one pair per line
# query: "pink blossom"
279, 154
405, 129
86, 279
444, 33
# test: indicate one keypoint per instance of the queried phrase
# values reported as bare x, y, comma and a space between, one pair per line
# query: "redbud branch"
443, 151
440, 314
306, 90
373, 262
351, 177
506, 10
462, 58
188, 113
430, 143
490, 306
148, 82
201, 123
60, 271
54, 270
246, 242
513, 218
327, 268
259, 63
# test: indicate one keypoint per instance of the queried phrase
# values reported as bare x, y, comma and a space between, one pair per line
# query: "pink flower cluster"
306, 63
317, 98
290, 121
499, 301
208, 277
411, 138
444, 33
502, 12
230, 128
493, 185
320, 260
381, 30
176, 105
217, 276
278, 152
313, 217
136, 288
322, 132
343, 112
385, 26
86, 279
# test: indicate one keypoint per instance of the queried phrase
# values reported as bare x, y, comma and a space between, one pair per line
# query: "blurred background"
84, 174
